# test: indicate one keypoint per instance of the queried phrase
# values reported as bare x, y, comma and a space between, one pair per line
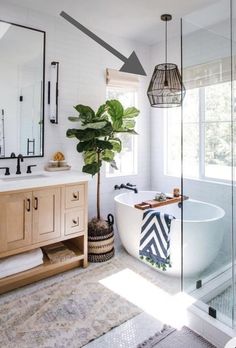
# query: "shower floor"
223, 302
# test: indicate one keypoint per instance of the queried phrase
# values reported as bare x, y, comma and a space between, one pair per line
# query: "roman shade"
116, 78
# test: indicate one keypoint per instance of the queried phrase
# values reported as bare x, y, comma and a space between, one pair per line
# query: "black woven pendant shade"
166, 89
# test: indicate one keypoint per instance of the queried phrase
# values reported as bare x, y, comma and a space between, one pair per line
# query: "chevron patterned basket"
101, 242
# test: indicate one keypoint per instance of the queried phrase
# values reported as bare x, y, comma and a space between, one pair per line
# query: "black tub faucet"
128, 186
20, 158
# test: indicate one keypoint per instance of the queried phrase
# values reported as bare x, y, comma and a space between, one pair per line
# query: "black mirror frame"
43, 97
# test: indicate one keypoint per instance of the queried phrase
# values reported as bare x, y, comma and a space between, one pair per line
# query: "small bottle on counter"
176, 192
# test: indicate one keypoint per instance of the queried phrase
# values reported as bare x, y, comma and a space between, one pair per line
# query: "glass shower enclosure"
208, 170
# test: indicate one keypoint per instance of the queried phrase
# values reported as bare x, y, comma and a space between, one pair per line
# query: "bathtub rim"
220, 216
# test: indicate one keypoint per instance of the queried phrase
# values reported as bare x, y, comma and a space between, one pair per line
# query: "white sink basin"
24, 177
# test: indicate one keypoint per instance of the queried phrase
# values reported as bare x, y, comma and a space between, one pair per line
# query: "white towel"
21, 262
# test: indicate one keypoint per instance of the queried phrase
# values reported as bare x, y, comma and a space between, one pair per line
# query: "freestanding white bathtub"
202, 233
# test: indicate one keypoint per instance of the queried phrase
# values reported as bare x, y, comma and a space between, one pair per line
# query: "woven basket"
101, 245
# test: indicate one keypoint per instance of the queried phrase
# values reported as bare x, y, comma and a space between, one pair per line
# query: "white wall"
82, 80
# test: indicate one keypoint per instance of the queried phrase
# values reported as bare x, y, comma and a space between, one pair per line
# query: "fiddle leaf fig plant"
98, 135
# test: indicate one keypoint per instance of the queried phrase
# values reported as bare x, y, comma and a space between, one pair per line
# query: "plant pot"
101, 239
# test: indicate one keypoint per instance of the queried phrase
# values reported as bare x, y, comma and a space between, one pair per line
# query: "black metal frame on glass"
43, 87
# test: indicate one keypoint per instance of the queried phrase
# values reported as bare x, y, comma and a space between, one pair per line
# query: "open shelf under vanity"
45, 270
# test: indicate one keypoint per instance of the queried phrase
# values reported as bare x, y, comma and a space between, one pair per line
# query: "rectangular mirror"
22, 81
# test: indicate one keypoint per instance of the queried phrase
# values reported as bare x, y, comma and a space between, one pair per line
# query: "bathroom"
189, 147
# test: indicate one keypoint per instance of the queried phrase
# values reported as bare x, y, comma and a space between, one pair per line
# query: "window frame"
202, 122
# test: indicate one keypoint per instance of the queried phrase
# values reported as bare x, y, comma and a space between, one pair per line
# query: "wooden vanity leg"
85, 263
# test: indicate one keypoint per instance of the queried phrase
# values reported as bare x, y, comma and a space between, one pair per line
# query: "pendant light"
166, 89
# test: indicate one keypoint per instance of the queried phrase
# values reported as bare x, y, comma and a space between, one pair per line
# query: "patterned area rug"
170, 337
69, 313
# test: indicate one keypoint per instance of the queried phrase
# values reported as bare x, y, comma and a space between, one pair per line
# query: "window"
126, 160
206, 134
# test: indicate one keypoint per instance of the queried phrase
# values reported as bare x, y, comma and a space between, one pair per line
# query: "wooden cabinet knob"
75, 221
76, 195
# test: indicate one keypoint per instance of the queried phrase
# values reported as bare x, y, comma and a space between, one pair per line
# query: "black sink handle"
29, 168
7, 170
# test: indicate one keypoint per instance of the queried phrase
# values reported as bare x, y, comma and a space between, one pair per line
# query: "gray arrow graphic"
131, 65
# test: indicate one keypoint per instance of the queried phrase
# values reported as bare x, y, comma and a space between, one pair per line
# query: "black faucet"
128, 186
20, 158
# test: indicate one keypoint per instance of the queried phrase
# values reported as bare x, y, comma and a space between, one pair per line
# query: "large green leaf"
94, 144
107, 130
131, 112
90, 157
107, 155
92, 168
95, 125
116, 144
85, 135
73, 118
86, 114
90, 133
117, 124
104, 144
71, 133
116, 111
86, 145
101, 110
129, 124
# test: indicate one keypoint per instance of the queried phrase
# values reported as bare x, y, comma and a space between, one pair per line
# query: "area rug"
169, 337
69, 313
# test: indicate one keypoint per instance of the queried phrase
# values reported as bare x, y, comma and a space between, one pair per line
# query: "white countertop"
40, 179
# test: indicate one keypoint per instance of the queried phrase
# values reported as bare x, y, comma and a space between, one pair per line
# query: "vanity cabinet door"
15, 220
46, 214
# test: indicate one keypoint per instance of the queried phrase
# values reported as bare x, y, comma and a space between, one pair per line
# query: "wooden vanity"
38, 216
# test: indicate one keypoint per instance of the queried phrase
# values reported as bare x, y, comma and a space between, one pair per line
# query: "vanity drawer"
74, 221
75, 196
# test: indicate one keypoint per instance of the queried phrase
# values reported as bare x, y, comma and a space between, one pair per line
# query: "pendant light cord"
166, 43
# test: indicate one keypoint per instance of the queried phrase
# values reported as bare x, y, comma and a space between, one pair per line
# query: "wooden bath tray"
154, 204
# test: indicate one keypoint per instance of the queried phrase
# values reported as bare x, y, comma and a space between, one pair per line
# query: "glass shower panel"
207, 160
233, 105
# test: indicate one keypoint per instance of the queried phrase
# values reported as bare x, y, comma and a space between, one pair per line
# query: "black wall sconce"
53, 92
